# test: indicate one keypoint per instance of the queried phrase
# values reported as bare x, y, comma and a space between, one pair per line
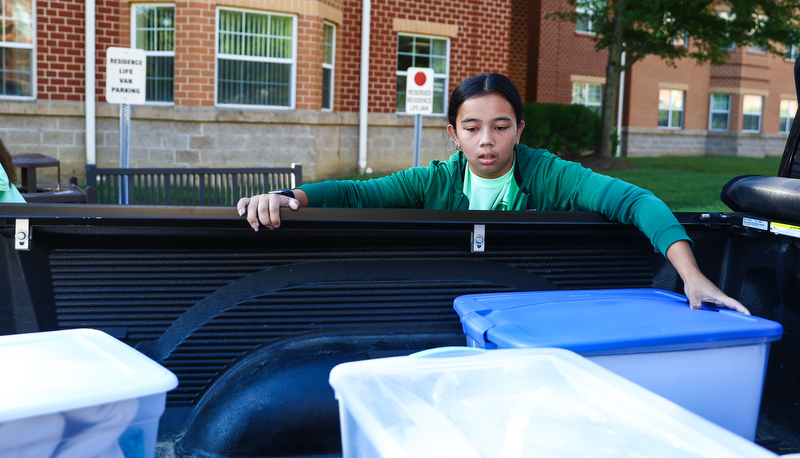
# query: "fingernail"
254, 226
696, 306
241, 212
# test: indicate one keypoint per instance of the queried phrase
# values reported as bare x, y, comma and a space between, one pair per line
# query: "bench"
186, 186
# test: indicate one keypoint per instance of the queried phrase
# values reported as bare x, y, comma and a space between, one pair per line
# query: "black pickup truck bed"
252, 323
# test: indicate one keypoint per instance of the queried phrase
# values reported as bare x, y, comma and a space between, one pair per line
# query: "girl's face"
486, 131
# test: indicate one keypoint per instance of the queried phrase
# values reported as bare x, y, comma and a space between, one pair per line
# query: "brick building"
271, 82
742, 108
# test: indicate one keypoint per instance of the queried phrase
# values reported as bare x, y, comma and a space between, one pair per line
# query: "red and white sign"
419, 91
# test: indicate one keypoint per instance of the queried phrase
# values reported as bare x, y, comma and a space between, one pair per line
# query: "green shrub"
566, 130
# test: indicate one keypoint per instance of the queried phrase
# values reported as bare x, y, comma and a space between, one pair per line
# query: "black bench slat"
187, 186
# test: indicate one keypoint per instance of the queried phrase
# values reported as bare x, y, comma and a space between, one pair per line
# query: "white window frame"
760, 113
134, 36
584, 87
331, 66
728, 17
787, 118
445, 76
292, 61
671, 110
792, 53
589, 12
712, 112
32, 49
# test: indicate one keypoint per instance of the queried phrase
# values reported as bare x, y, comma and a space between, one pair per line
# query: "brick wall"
744, 73
522, 29
650, 74
60, 30
481, 44
562, 53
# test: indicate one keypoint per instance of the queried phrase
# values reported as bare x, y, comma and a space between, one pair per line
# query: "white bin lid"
56, 371
523, 402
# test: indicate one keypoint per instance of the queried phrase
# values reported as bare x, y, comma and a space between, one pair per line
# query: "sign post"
126, 79
419, 101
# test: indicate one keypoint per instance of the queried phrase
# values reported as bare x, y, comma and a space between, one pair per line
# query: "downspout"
363, 93
89, 95
620, 99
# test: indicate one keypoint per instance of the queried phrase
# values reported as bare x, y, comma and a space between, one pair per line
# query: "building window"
588, 94
154, 31
720, 116
792, 52
758, 48
16, 48
727, 46
670, 108
423, 52
751, 113
328, 52
585, 20
255, 58
788, 110
681, 40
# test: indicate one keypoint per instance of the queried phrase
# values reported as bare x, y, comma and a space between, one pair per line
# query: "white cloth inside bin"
91, 432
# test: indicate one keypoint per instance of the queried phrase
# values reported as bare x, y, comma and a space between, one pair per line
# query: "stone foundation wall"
325, 143
644, 142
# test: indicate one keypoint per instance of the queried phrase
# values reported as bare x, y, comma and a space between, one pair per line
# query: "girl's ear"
452, 132
519, 131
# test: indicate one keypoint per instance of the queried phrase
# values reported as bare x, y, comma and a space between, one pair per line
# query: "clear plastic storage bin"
710, 361
79, 393
514, 403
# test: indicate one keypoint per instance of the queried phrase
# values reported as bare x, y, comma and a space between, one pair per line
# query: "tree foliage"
660, 27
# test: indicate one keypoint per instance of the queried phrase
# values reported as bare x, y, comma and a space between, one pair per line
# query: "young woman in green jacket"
490, 170
8, 175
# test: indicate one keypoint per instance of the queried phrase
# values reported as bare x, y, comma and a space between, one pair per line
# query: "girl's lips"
487, 159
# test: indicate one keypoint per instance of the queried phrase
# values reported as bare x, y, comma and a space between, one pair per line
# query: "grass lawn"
685, 184
690, 184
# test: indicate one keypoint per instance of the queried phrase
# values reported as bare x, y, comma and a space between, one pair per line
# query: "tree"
658, 27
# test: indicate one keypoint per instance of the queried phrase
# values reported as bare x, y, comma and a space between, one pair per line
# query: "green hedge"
566, 130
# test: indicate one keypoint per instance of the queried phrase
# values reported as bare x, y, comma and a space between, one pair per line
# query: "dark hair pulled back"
479, 85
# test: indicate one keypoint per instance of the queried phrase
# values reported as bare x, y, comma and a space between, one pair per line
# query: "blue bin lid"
590, 321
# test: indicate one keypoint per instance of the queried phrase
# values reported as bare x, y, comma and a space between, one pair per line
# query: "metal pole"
620, 100
124, 148
417, 138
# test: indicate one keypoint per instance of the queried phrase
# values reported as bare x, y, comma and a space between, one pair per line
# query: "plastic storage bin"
79, 393
710, 361
520, 402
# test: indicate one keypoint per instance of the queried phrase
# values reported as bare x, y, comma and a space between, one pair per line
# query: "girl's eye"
502, 127
470, 129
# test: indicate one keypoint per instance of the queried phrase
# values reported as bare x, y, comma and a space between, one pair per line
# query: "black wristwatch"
284, 192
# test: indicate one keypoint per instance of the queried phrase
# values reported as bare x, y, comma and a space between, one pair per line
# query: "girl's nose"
486, 137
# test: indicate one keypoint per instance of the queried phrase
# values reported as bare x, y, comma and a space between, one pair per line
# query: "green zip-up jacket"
546, 182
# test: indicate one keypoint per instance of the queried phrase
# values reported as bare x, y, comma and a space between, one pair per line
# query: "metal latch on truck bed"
22, 235
478, 238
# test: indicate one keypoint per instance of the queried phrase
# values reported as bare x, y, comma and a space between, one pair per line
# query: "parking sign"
419, 91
